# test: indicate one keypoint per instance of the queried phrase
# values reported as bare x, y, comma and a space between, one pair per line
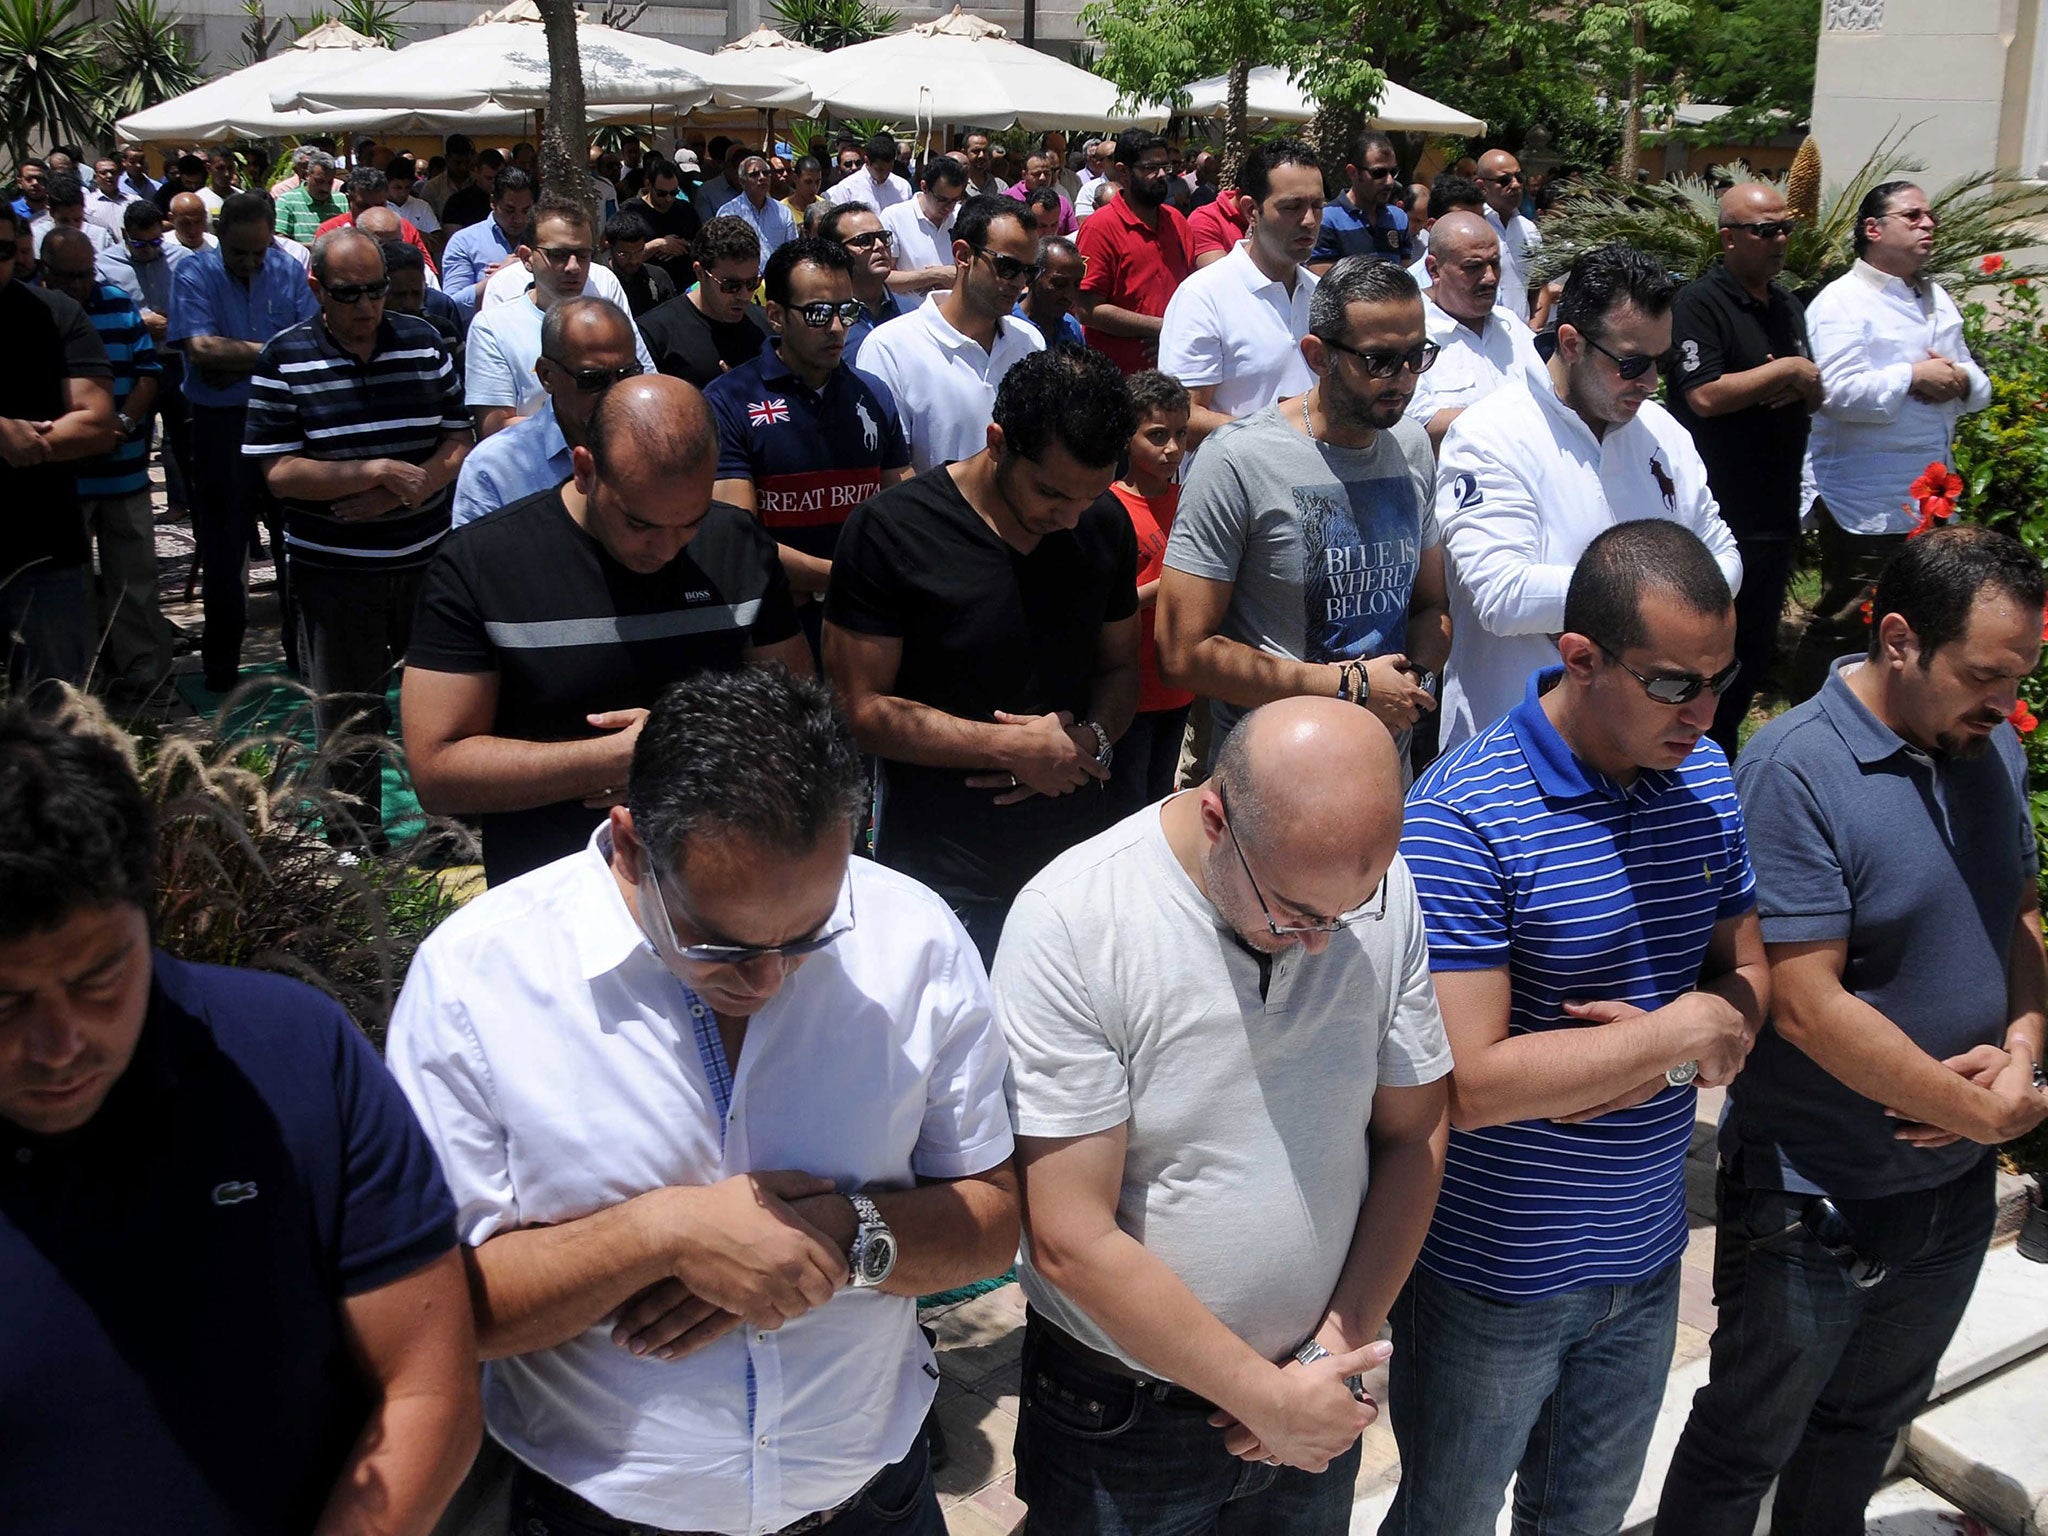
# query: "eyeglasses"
1674, 688
1385, 362
562, 255
1507, 179
757, 174
868, 240
729, 285
661, 194
1628, 367
355, 293
590, 381
1370, 912
1382, 172
153, 243
1765, 229
1009, 268
1925, 216
818, 316
745, 954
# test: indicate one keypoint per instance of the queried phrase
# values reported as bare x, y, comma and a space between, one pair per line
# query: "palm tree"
376, 19
143, 59
48, 87
830, 24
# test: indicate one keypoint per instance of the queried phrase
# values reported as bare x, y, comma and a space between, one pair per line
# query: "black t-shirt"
1753, 456
49, 339
646, 288
465, 205
570, 632
983, 628
680, 221
687, 345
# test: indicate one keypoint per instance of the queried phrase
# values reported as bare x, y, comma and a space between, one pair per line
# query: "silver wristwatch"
1310, 1351
1682, 1074
872, 1259
1105, 750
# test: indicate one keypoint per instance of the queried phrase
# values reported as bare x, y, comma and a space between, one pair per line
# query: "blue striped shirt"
1584, 890
125, 471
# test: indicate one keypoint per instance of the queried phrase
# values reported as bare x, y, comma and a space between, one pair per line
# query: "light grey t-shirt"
1321, 543
1125, 998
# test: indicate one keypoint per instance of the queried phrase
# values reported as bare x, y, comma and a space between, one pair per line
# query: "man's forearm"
298, 478
1429, 637
1240, 674
2026, 985
542, 1286
905, 731
1552, 1073
919, 279
1113, 701
1113, 320
1867, 1053
141, 401
1203, 419
948, 1234
485, 775
1733, 392
1391, 1225
219, 354
82, 433
407, 1463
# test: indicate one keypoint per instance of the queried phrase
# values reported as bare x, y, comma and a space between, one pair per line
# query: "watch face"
1682, 1074
877, 1258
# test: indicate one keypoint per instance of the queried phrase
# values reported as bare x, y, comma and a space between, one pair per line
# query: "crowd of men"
1237, 809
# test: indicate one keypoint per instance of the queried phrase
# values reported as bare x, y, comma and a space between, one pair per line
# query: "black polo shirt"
171, 1274
49, 339
525, 593
686, 344
1753, 456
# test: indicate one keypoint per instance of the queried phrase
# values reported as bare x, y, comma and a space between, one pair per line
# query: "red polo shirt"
411, 236
1134, 268
1215, 226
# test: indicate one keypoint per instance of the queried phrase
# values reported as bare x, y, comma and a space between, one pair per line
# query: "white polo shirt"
862, 188
558, 1069
1870, 437
944, 384
919, 242
500, 352
513, 280
1472, 364
1519, 243
1231, 326
1522, 488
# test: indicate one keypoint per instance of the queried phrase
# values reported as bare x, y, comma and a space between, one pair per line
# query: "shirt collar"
1868, 738
1719, 275
1564, 418
1255, 280
548, 428
1557, 769
1884, 282
942, 328
601, 926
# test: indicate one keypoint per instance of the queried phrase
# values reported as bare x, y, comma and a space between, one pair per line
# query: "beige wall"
1958, 74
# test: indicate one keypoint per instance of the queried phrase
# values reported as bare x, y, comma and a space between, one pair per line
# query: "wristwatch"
1682, 1074
1310, 1351
872, 1259
1105, 750
127, 422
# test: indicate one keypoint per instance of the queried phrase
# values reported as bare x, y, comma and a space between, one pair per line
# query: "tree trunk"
1236, 135
564, 147
1632, 128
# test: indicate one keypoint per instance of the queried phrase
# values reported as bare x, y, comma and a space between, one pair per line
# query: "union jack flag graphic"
766, 413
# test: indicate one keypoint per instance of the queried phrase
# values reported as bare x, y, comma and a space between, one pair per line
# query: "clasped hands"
1045, 755
1304, 1416
1716, 1026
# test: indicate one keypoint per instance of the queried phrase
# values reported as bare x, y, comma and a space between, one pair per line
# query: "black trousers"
1759, 606
228, 499
353, 629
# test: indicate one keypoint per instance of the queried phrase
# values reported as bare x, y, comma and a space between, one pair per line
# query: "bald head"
652, 428
1461, 231
380, 223
1464, 267
1500, 181
1751, 202
1754, 233
62, 241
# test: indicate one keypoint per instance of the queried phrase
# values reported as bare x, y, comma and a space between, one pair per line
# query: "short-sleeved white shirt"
1231, 326
1127, 1000
1522, 488
513, 279
558, 1070
1519, 243
419, 215
917, 240
502, 347
860, 188
944, 384
1471, 365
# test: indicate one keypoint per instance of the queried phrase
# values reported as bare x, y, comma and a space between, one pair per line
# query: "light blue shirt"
147, 284
772, 222
527, 457
503, 346
206, 301
470, 251
713, 195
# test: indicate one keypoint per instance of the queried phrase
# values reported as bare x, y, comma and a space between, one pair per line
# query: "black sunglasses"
1507, 180
1009, 268
1629, 367
864, 242
728, 285
1674, 690
1383, 172
818, 316
355, 293
589, 381
1385, 362
1765, 229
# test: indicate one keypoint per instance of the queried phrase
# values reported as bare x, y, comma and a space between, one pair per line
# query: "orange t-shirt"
1152, 518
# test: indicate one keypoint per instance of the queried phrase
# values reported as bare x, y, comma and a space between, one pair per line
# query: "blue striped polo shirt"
1585, 890
133, 356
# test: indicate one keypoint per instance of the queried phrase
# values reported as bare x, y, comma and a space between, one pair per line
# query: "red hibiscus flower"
1991, 266
1865, 611
2022, 717
1935, 495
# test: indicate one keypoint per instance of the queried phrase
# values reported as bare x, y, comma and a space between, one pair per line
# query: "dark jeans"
983, 918
1812, 1379
1142, 771
1559, 1394
1849, 563
1101, 1455
902, 1502
1759, 606
177, 424
228, 499
353, 629
45, 624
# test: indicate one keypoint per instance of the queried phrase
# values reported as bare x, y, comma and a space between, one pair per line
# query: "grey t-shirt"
1321, 543
1920, 863
1125, 999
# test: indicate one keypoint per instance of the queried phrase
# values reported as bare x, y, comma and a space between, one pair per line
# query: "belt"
1169, 1394
811, 1522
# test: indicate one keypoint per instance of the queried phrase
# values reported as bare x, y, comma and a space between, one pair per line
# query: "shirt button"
759, 1338
764, 1442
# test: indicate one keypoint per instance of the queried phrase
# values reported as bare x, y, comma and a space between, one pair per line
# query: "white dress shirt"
1522, 488
862, 188
559, 1069
1472, 364
1519, 243
514, 279
917, 241
1871, 439
415, 211
1231, 326
944, 384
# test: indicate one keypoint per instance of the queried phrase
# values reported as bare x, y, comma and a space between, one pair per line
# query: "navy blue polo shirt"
813, 456
171, 1349
1346, 233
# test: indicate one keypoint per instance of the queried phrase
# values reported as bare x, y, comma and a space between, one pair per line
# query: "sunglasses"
1630, 368
1916, 216
1370, 912
1385, 362
818, 316
661, 194
562, 255
1383, 172
745, 954
729, 285
1765, 229
153, 243
1009, 268
867, 241
590, 381
355, 293
1681, 688
1507, 180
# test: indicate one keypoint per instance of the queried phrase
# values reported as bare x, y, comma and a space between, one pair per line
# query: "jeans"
902, 1502
125, 606
1812, 1379
353, 629
1849, 563
1559, 1394
1146, 760
983, 918
177, 431
1759, 607
1101, 1455
45, 625
227, 502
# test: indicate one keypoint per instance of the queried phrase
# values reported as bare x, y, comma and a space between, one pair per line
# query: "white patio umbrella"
238, 105
1270, 95
499, 63
962, 69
